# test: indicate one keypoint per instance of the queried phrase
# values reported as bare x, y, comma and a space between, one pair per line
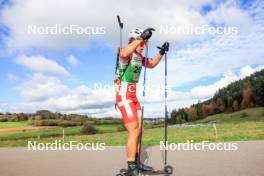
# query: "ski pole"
120, 45
143, 102
120, 34
166, 112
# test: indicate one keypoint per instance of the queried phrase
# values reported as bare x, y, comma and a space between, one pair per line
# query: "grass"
54, 132
253, 114
226, 132
107, 128
231, 127
13, 124
39, 133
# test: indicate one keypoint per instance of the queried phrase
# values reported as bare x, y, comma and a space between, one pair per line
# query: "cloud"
83, 98
48, 92
20, 14
11, 77
72, 60
40, 87
230, 14
3, 106
215, 56
204, 92
177, 99
41, 64
42, 92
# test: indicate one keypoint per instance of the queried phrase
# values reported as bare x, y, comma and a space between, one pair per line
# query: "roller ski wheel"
129, 172
168, 169
122, 172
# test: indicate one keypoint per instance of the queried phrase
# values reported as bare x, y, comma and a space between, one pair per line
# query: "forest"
241, 94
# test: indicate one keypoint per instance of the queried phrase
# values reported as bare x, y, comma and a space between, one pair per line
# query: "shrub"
88, 129
243, 115
3, 119
66, 123
44, 122
121, 128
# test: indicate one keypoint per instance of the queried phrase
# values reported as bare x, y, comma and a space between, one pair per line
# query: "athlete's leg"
131, 122
128, 109
132, 141
132, 125
142, 166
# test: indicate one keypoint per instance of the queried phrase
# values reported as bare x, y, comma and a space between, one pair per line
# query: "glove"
147, 33
164, 48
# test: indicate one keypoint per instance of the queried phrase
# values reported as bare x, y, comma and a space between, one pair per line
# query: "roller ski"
166, 171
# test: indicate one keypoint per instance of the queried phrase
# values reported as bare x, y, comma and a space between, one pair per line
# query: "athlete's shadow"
144, 154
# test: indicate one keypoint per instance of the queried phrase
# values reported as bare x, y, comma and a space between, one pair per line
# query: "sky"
44, 67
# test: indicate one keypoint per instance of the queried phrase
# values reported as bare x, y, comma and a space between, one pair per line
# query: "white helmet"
135, 33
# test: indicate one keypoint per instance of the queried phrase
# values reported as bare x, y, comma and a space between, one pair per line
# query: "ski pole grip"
119, 22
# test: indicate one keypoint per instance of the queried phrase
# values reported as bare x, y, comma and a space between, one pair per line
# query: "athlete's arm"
154, 62
127, 51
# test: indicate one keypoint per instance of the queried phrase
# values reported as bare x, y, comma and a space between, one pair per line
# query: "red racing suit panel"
127, 102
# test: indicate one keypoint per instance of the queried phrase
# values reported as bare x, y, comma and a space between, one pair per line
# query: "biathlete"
130, 65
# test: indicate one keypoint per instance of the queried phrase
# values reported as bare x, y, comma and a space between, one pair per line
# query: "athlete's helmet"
135, 33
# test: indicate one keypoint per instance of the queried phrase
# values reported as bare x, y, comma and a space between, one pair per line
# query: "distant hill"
249, 114
241, 94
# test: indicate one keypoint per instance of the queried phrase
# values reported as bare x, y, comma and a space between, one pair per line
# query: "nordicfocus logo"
198, 30
204, 145
59, 29
60, 145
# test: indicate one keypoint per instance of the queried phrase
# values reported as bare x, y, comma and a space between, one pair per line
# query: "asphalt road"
246, 161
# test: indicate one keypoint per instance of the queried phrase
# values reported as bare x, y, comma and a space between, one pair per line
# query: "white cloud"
177, 99
47, 92
204, 92
83, 98
3, 107
11, 77
72, 60
247, 70
212, 57
29, 12
53, 95
40, 87
230, 14
41, 64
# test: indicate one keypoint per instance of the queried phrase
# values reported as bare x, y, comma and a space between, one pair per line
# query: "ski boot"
132, 170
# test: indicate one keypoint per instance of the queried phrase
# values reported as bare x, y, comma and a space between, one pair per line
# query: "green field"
251, 114
239, 126
13, 124
54, 132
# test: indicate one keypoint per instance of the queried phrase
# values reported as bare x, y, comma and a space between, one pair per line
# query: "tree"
235, 105
246, 95
173, 117
192, 113
220, 105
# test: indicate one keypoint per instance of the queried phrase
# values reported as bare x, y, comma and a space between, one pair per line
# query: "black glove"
164, 48
147, 33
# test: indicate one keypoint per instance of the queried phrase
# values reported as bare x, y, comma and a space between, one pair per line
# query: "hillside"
239, 95
246, 115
